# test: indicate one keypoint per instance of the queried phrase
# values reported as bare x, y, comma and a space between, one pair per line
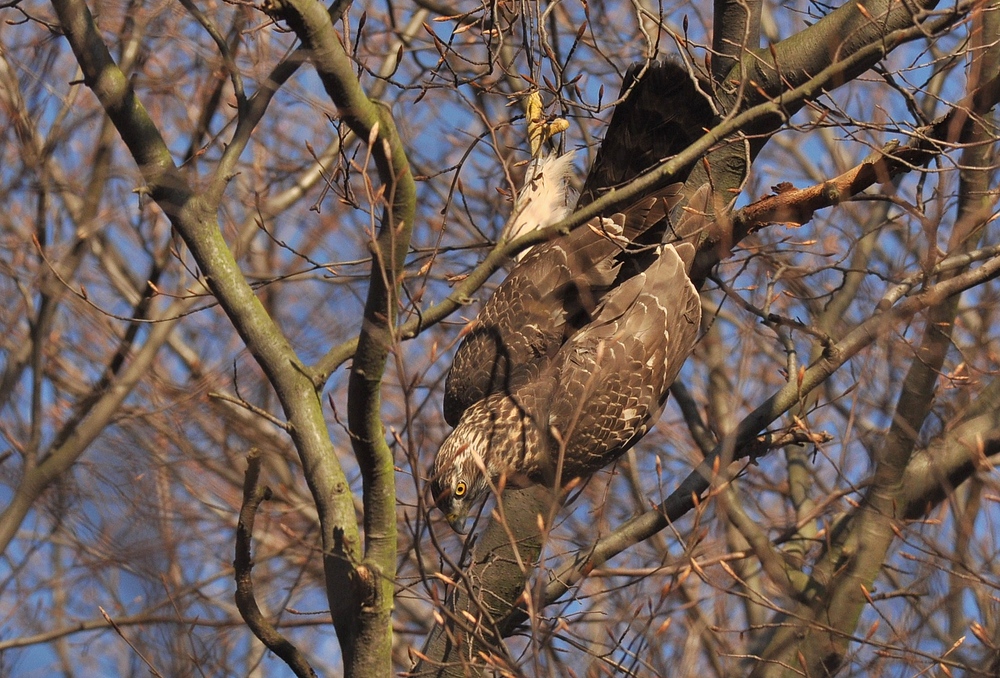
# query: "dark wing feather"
614, 375
552, 291
555, 289
662, 114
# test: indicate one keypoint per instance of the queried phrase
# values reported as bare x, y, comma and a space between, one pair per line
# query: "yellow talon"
541, 129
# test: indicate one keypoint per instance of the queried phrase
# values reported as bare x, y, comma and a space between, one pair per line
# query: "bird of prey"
569, 362
584, 408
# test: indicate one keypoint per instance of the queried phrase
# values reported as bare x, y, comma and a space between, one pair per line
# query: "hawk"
569, 362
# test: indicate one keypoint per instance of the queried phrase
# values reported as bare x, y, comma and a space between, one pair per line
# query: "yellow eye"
460, 489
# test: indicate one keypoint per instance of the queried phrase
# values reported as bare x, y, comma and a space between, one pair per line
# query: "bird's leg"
540, 128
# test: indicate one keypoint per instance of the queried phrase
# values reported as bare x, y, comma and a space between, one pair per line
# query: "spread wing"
614, 375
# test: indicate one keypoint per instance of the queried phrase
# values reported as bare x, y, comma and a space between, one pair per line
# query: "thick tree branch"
848, 41
736, 32
857, 552
724, 169
368, 624
797, 206
698, 481
195, 218
499, 565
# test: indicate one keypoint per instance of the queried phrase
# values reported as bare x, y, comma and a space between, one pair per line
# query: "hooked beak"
457, 522
454, 512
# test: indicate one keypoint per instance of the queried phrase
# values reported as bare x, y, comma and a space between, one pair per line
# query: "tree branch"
368, 644
195, 218
246, 601
856, 553
698, 481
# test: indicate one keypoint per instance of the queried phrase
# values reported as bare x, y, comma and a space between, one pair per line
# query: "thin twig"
121, 634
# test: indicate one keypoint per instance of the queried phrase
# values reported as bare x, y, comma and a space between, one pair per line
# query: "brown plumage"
569, 362
585, 407
554, 289
550, 294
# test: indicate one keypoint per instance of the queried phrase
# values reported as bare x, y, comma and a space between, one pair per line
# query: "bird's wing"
662, 114
554, 290
615, 373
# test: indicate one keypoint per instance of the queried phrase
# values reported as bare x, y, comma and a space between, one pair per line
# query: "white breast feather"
544, 199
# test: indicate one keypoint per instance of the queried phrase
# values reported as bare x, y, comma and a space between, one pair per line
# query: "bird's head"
458, 480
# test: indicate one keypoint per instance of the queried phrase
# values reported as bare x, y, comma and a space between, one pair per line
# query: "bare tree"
239, 245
